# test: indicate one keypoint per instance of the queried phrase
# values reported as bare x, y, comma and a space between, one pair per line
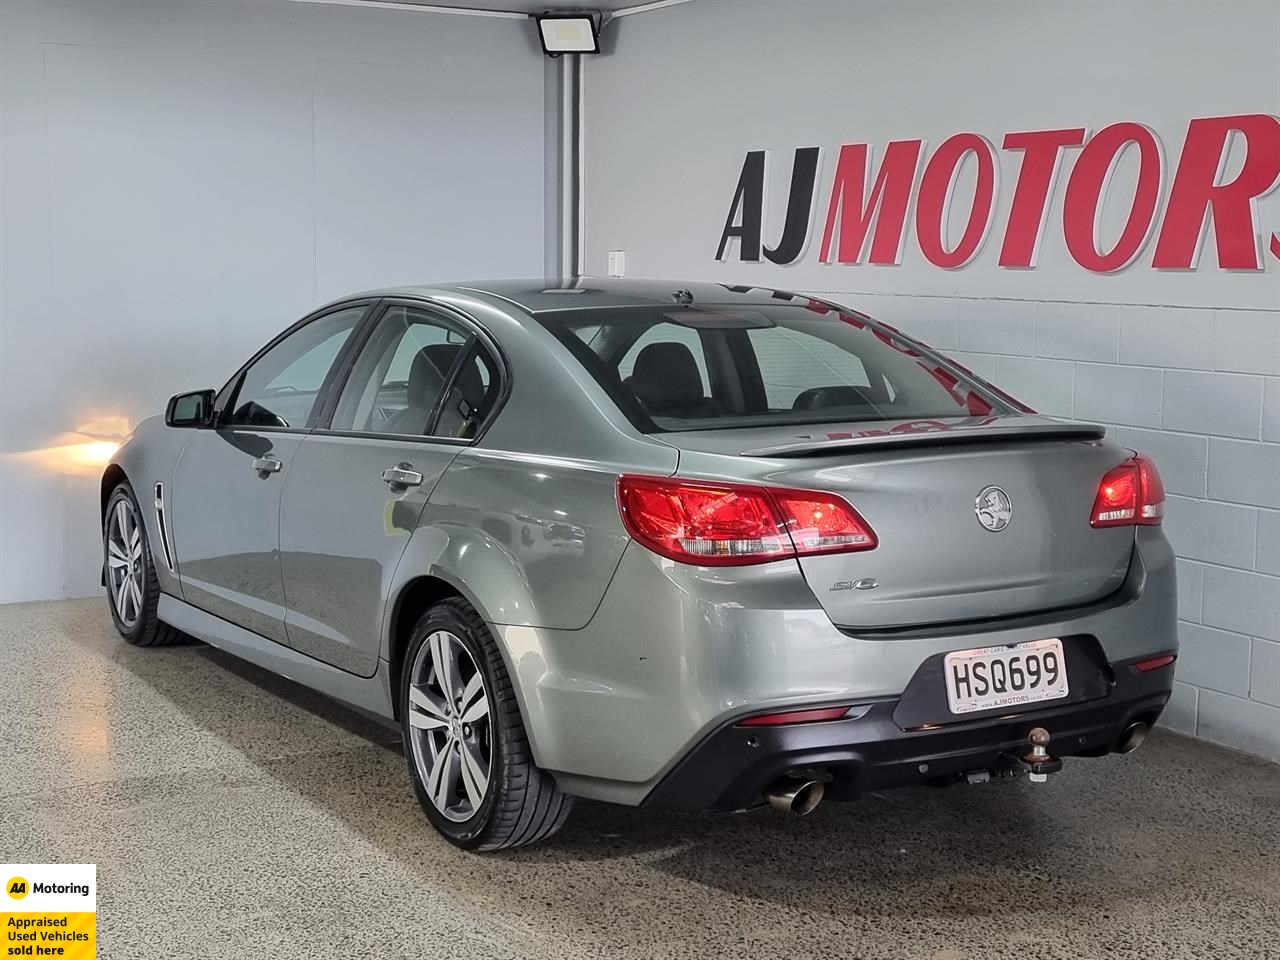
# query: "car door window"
399, 379
280, 388
472, 395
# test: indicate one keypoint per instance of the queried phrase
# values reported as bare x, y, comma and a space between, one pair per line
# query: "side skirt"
368, 694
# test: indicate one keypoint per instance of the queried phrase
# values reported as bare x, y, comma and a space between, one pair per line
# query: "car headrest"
426, 376
470, 384
816, 398
666, 373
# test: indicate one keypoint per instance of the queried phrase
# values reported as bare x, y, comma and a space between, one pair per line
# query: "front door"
416, 393
227, 485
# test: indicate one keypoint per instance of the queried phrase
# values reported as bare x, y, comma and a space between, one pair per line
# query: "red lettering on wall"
1226, 166
1196, 193
854, 209
936, 188
1041, 154
1086, 192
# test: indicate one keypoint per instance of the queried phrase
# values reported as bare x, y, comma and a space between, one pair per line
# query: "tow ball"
1038, 760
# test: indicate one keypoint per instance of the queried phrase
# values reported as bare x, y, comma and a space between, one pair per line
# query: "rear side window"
700, 367
420, 374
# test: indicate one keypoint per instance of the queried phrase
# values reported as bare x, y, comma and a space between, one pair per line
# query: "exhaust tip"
1134, 736
796, 797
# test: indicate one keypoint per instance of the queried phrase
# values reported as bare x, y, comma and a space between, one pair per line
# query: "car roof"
540, 296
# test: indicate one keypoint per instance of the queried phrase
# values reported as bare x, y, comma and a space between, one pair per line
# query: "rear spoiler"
932, 436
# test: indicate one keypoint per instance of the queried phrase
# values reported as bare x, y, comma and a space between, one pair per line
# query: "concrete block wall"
1197, 389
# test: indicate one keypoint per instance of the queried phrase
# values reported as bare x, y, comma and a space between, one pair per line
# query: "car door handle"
401, 475
265, 466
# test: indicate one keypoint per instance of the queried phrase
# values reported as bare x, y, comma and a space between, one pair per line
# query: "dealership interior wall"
327, 148
324, 149
1183, 364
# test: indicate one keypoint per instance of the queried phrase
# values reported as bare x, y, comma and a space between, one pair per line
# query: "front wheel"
133, 590
466, 746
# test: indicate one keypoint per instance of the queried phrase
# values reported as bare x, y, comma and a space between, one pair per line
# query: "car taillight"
722, 524
1129, 494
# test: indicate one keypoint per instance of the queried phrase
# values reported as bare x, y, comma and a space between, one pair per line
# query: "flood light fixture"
567, 33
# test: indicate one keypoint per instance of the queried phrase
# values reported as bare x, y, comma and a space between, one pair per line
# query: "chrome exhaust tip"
796, 797
1134, 736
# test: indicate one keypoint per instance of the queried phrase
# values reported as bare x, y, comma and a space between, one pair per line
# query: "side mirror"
193, 409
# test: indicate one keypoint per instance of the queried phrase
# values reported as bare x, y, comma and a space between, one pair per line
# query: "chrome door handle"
265, 466
401, 475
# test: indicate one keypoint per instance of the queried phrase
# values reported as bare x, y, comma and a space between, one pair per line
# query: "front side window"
281, 387
420, 373
700, 367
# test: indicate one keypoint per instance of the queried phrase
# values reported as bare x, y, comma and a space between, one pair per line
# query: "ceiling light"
567, 33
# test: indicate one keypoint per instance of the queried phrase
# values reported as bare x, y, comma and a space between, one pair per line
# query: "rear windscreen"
672, 368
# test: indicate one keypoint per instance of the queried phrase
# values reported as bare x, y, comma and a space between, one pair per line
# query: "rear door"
418, 392
226, 487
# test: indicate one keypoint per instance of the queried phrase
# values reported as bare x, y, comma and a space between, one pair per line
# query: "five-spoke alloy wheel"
133, 589
469, 756
449, 731
124, 561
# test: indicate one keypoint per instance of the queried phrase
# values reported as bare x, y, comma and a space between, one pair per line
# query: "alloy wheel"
450, 732
125, 564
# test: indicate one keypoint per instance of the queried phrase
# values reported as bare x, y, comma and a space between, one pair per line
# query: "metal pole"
570, 165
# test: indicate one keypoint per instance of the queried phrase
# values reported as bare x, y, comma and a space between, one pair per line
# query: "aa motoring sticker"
49, 910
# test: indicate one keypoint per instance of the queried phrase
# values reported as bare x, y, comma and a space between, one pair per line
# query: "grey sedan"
662, 544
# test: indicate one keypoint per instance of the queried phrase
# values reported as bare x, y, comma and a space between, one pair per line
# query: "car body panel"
624, 662
935, 561
676, 651
342, 533
225, 522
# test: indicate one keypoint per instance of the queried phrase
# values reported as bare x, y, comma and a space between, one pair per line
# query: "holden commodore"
670, 545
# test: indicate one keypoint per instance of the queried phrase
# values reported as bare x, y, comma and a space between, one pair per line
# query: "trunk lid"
922, 488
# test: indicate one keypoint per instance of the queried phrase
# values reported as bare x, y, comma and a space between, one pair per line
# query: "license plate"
994, 677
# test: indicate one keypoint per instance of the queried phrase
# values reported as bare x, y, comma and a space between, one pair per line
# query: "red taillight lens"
721, 524
710, 524
822, 522
1129, 494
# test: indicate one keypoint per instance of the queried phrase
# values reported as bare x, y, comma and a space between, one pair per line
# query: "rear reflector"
1155, 663
794, 716
722, 524
1129, 494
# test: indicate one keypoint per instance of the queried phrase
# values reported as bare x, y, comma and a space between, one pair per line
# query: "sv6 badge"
866, 583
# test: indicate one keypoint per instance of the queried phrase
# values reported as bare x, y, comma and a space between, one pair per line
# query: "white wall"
1185, 364
180, 181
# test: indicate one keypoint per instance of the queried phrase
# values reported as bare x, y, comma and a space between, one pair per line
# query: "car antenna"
682, 297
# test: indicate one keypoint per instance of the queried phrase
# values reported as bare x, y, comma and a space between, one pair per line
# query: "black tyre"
466, 746
133, 591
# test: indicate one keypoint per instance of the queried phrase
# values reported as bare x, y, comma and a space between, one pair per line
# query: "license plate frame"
998, 686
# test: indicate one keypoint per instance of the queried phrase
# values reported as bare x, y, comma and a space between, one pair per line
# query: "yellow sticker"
51, 910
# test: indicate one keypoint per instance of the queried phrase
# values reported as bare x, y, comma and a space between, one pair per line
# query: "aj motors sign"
862, 206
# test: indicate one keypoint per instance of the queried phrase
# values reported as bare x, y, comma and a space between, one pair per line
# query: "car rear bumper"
731, 768
676, 653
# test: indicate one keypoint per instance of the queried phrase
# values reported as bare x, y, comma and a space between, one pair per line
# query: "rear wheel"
466, 746
133, 590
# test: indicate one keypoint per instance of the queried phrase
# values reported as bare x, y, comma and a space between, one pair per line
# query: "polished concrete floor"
233, 814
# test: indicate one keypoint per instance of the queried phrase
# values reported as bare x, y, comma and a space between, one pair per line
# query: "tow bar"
1038, 760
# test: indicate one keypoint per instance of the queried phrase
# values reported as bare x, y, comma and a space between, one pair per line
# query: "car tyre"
133, 589
468, 755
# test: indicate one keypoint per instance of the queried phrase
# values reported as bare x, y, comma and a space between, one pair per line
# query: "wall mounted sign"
863, 213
